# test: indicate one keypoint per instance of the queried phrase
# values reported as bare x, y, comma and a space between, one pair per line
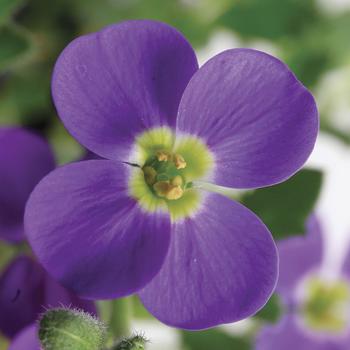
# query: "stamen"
179, 161
168, 190
163, 174
163, 156
150, 175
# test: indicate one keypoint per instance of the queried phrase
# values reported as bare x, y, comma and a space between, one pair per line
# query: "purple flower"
26, 339
25, 158
141, 221
26, 290
317, 309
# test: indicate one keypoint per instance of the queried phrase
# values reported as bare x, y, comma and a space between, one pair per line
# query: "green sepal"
71, 329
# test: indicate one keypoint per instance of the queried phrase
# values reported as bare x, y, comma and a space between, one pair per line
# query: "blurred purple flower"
316, 310
26, 339
215, 265
25, 158
26, 290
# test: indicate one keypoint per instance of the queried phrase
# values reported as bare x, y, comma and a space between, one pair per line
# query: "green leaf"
16, 47
7, 8
270, 19
213, 339
271, 312
71, 329
25, 102
285, 207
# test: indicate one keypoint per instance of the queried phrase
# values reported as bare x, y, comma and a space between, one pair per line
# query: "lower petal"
91, 235
221, 267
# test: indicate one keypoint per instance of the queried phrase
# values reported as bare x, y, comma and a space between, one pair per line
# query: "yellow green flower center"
166, 170
326, 305
163, 174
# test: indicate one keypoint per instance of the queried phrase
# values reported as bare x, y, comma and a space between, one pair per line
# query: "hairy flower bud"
71, 329
136, 342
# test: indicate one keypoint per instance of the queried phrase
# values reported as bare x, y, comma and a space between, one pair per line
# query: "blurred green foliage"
309, 40
270, 19
285, 207
213, 339
271, 312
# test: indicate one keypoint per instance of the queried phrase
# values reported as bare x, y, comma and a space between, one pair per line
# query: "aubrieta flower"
139, 221
316, 307
25, 159
26, 291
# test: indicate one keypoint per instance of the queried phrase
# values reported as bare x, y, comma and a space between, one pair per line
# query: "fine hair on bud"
71, 329
136, 342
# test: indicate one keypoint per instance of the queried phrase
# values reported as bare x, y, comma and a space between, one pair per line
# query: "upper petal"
91, 235
26, 339
289, 335
257, 118
111, 85
221, 267
26, 290
25, 158
298, 256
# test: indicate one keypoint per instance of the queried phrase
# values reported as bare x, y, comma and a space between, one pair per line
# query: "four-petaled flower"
140, 221
316, 306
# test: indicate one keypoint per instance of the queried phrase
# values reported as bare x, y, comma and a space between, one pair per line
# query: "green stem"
120, 318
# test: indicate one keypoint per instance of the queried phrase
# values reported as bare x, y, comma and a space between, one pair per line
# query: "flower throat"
163, 173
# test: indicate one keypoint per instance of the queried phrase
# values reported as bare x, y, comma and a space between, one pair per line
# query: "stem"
120, 318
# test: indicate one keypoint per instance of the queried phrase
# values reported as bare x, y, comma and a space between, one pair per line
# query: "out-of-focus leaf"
285, 207
323, 46
139, 311
7, 8
3, 343
25, 97
191, 19
270, 19
271, 311
66, 148
213, 339
16, 47
7, 252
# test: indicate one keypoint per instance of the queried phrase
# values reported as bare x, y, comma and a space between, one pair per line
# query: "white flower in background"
222, 40
333, 98
333, 6
332, 157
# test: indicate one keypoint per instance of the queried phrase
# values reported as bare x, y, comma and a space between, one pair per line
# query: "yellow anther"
168, 190
150, 175
175, 192
161, 188
177, 181
163, 156
179, 161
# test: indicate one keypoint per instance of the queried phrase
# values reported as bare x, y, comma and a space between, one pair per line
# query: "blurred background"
311, 36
